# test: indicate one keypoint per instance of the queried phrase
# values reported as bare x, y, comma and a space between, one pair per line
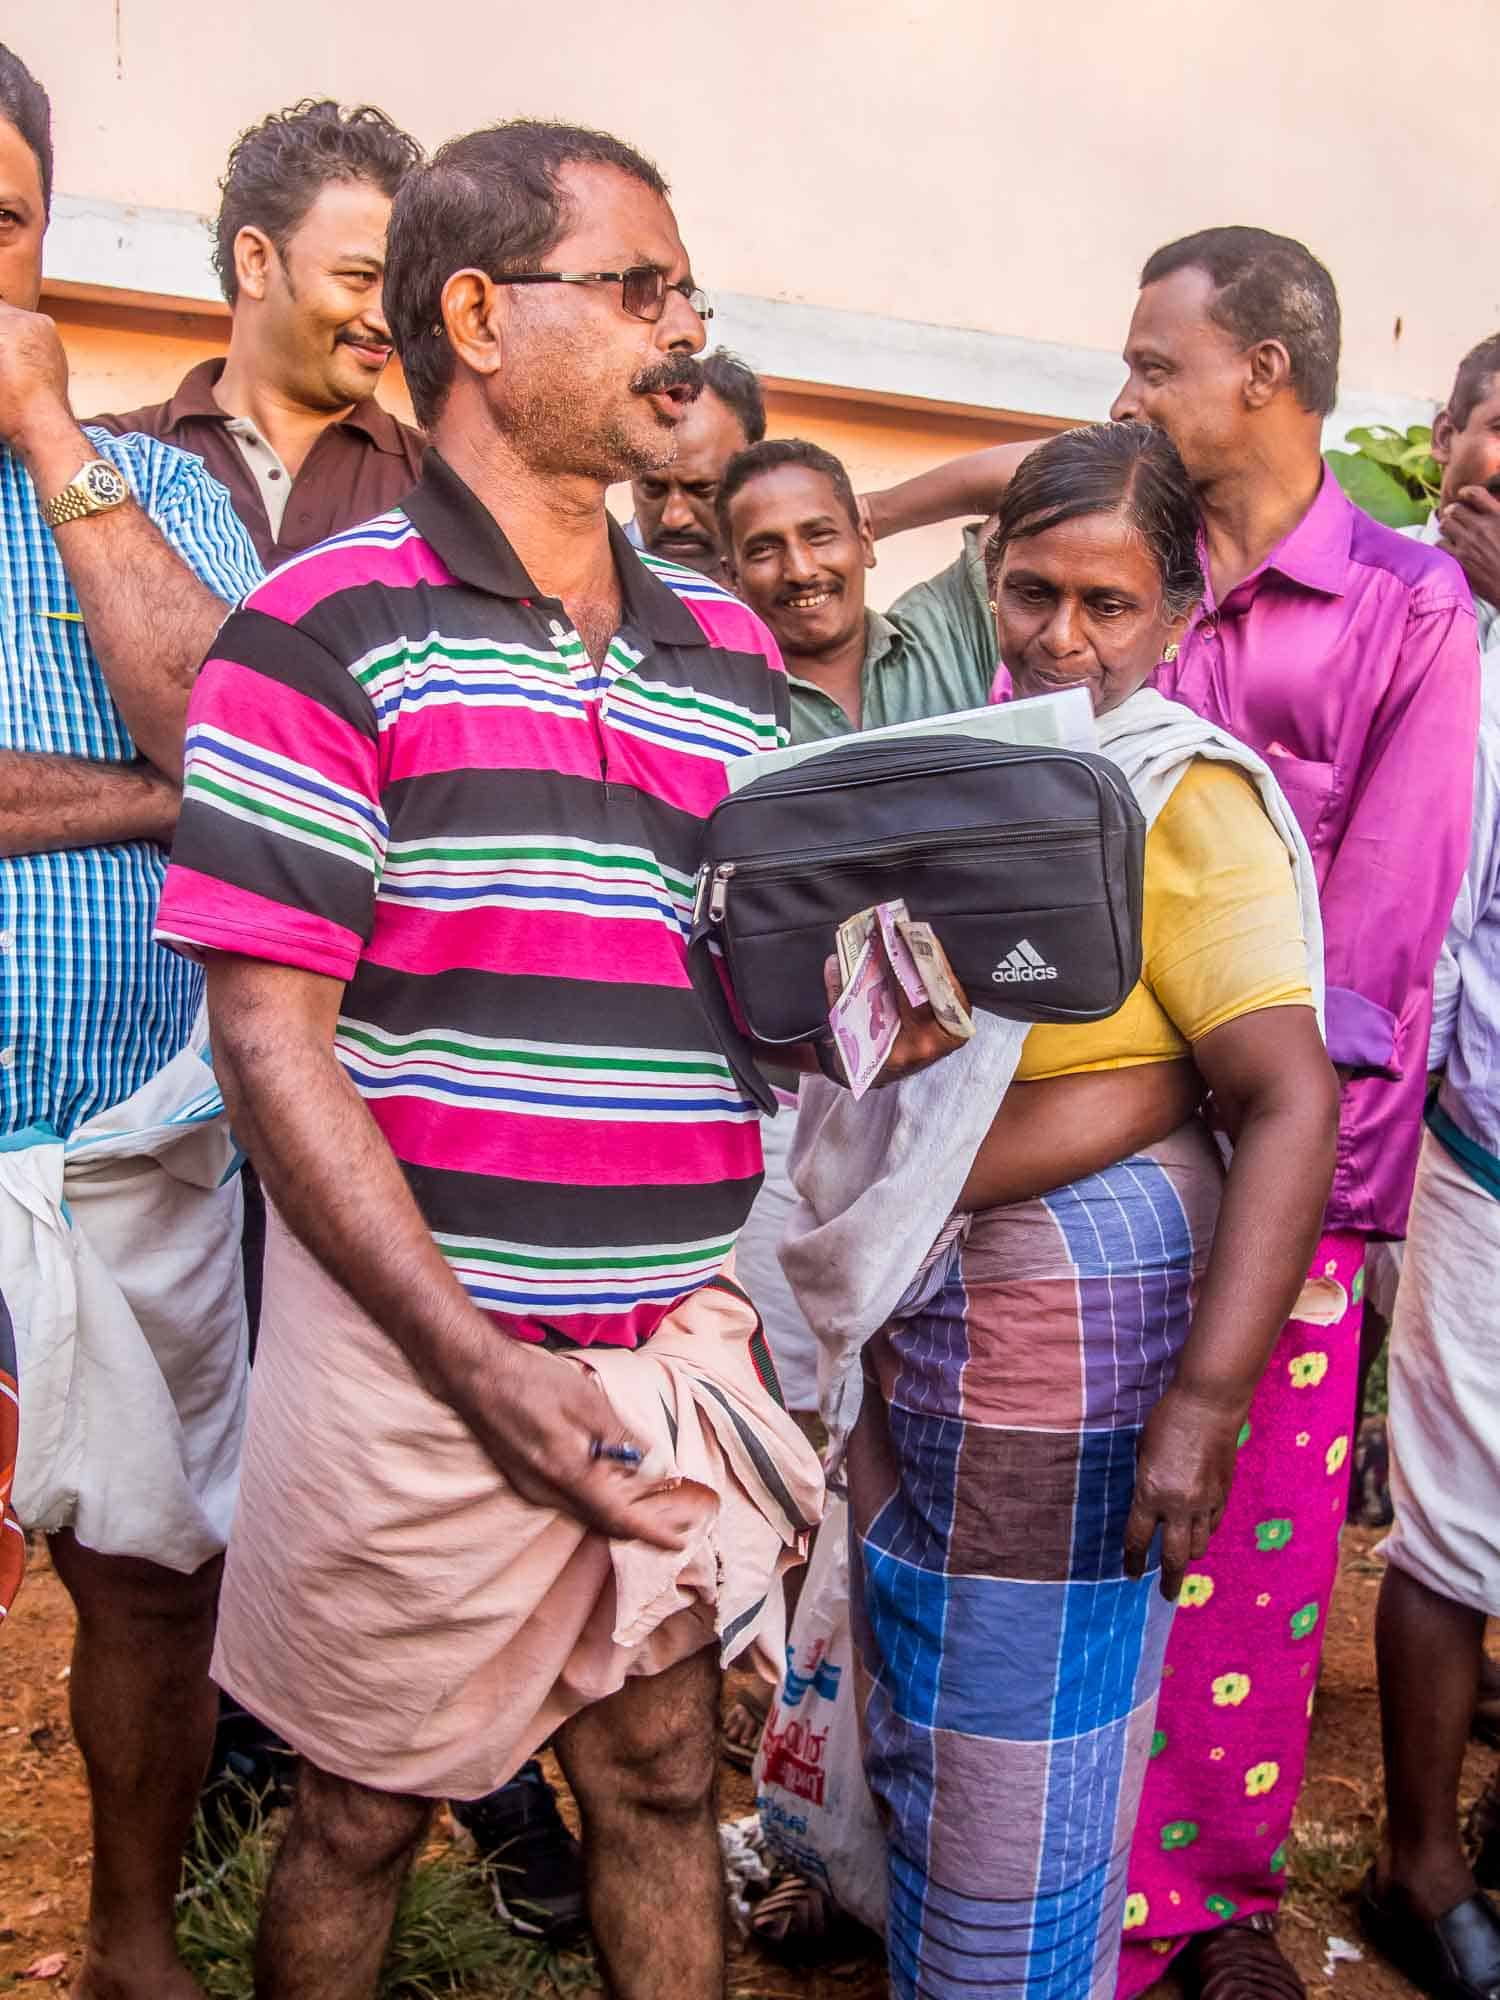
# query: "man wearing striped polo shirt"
447, 779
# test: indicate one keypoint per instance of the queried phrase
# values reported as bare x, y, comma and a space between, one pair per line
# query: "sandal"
1457, 1957
747, 1712
798, 1923
1240, 1961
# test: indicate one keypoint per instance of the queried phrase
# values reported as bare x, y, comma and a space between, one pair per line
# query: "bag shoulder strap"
734, 1044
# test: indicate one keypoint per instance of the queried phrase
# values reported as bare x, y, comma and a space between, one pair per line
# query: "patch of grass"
1330, 1860
445, 1941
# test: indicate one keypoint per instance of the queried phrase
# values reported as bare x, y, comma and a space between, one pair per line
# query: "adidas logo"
1022, 962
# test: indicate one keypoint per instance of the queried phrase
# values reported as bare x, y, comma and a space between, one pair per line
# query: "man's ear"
254, 255
474, 316
1443, 430
1269, 372
866, 539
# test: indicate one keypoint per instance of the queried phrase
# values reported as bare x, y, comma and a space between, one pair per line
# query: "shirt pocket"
1312, 791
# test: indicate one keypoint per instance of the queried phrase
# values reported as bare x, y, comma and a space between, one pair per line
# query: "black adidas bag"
1026, 862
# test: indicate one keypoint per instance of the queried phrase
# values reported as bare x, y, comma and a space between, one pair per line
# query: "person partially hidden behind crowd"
513, 1470
1070, 1373
1422, 1906
1345, 653
676, 505
119, 1209
288, 420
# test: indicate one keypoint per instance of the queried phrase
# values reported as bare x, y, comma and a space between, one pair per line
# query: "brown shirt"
361, 465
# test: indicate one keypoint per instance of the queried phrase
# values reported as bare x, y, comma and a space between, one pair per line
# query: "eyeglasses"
643, 288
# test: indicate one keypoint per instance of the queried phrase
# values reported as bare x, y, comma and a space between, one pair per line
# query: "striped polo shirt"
404, 772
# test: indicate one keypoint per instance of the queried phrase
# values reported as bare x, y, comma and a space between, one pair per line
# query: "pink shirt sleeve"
1391, 886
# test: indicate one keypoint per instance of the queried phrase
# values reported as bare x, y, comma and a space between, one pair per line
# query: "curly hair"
1130, 469
278, 169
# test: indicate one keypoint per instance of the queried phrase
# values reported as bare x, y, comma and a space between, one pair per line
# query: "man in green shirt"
796, 548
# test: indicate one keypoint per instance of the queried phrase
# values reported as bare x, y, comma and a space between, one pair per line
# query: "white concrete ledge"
161, 257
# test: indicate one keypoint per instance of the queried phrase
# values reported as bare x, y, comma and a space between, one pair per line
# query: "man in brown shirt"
288, 420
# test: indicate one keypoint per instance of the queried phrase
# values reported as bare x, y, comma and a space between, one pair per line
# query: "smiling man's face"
798, 559
322, 297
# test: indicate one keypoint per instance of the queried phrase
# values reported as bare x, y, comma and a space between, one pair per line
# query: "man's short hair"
734, 382
1472, 382
277, 170
24, 104
770, 456
1266, 287
491, 200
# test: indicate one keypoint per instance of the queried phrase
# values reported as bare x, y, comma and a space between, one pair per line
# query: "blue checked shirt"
89, 1006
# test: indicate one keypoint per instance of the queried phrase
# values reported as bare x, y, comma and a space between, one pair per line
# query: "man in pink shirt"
1346, 655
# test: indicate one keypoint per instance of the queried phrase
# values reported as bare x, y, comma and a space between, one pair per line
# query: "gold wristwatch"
96, 488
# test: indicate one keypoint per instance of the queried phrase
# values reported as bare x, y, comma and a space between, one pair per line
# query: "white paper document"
1063, 721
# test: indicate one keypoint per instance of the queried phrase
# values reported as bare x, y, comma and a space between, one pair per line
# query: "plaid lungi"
1012, 1668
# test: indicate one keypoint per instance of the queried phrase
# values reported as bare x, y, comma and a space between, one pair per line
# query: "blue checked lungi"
1010, 1667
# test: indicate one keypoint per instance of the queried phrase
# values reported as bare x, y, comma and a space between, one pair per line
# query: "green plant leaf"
1381, 493
1419, 434
1378, 442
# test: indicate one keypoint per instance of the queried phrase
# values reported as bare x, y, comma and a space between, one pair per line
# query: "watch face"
105, 485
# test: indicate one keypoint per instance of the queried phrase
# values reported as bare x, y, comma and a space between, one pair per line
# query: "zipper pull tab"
719, 892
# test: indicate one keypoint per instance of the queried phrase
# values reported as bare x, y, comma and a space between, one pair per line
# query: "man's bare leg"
643, 1766
143, 1712
334, 1888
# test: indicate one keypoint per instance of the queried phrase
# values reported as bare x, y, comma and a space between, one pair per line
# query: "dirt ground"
44, 1835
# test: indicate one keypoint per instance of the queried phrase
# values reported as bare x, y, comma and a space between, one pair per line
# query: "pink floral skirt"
1242, 1661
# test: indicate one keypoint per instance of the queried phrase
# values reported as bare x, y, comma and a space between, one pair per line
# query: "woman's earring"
1169, 656
993, 605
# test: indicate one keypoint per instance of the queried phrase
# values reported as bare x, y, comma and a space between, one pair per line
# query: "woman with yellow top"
1054, 1426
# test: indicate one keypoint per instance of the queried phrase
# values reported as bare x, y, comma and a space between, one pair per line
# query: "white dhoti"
120, 1264
1444, 1422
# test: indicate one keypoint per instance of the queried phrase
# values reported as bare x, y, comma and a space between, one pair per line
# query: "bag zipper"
766, 867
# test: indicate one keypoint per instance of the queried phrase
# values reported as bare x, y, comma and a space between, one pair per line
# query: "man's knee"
355, 1831
653, 1755
120, 1591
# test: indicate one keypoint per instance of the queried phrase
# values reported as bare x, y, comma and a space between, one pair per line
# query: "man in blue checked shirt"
119, 1203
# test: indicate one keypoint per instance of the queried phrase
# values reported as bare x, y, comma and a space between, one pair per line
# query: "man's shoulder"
388, 550
156, 472
152, 420
726, 621
1428, 575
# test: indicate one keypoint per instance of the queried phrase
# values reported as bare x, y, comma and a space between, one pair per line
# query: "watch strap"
69, 505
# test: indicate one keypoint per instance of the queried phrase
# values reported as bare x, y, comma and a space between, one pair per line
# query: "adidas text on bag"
1022, 962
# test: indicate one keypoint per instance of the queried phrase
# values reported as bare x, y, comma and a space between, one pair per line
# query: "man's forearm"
48, 803
324, 1163
970, 485
149, 619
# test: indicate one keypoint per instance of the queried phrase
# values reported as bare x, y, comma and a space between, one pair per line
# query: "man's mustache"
678, 371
